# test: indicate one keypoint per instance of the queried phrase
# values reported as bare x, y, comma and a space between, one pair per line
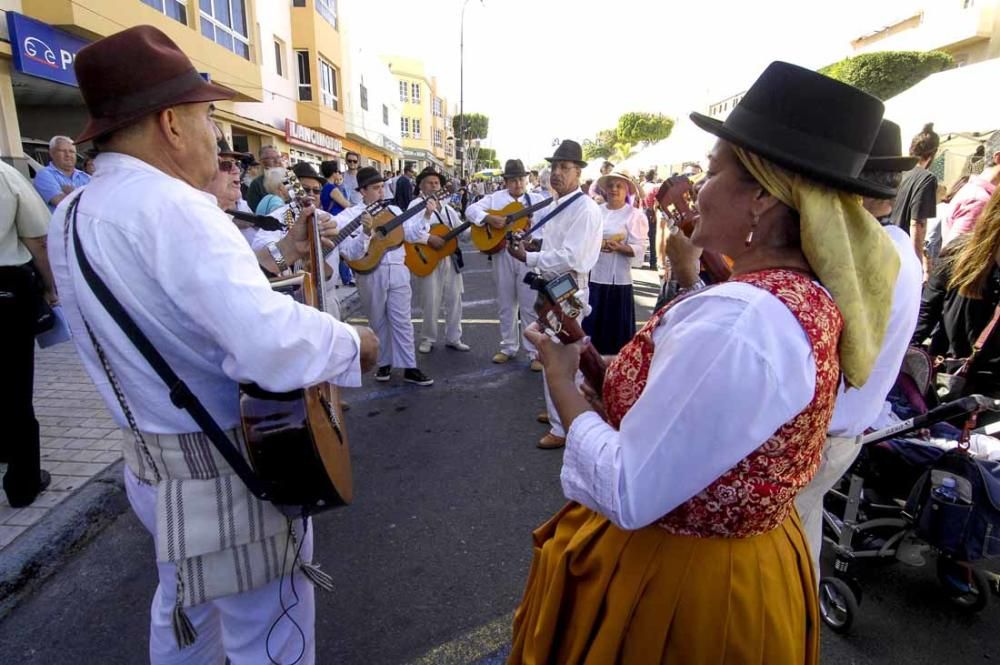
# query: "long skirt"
611, 322
597, 594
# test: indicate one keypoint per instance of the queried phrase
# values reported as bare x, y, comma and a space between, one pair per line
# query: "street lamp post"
461, 87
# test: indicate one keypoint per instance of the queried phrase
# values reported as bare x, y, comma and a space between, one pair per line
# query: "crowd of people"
834, 274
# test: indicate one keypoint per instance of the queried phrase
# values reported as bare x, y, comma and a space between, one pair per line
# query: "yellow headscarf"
846, 247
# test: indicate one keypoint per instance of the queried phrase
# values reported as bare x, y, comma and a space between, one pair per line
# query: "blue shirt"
50, 180
326, 201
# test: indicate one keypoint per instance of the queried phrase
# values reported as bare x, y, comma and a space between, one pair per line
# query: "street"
431, 558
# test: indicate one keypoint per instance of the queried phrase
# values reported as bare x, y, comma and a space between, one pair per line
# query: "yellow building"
418, 101
969, 31
38, 102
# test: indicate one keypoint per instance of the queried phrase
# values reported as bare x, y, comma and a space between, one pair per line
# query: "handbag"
41, 312
953, 372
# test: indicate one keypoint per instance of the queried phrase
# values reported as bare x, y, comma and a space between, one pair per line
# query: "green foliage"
487, 154
478, 126
638, 127
885, 74
601, 146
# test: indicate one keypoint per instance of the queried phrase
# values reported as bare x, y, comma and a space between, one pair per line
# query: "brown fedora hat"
135, 72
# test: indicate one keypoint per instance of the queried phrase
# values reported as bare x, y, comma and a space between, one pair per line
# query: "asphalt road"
431, 558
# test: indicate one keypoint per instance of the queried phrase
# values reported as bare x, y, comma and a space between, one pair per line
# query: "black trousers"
19, 444
651, 216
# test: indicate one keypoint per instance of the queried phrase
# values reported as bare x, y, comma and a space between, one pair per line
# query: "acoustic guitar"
422, 259
297, 441
489, 240
387, 234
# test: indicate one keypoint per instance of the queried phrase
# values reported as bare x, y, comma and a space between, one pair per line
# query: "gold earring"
756, 221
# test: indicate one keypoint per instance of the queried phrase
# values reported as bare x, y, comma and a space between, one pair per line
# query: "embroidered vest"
757, 494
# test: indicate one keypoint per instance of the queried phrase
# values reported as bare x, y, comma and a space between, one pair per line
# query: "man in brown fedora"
572, 244
174, 263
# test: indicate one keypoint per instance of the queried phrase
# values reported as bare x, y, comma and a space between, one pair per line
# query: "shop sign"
301, 135
389, 145
41, 50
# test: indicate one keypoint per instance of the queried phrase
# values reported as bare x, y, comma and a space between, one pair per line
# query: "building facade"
416, 94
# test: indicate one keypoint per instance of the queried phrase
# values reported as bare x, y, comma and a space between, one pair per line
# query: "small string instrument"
676, 200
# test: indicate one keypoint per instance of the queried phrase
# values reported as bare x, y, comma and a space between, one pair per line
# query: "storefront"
314, 146
421, 159
395, 152
249, 135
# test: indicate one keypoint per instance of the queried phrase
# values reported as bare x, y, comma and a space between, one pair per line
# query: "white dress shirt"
730, 366
858, 409
444, 215
498, 200
571, 241
184, 273
613, 267
354, 248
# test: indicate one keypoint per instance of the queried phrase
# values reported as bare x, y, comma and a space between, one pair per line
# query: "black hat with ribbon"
514, 168
368, 176
808, 123
887, 152
431, 171
306, 170
568, 151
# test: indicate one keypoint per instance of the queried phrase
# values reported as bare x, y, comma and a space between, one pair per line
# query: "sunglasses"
352, 161
227, 165
312, 190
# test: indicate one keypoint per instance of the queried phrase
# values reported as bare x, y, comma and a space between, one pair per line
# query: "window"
328, 10
403, 89
437, 107
305, 78
298, 3
415, 92
328, 84
279, 57
175, 9
437, 138
364, 97
416, 128
225, 23
404, 126
385, 115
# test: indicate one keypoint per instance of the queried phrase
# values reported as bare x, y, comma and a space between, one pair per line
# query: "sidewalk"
79, 438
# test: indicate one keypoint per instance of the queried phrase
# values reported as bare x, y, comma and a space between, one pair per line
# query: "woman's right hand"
684, 257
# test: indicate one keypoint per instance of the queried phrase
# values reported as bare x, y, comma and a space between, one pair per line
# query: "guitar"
490, 240
559, 311
296, 441
422, 259
675, 199
387, 234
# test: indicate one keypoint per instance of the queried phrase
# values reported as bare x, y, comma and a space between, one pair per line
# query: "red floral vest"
757, 494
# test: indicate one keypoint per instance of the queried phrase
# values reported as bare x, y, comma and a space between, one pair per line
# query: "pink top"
967, 206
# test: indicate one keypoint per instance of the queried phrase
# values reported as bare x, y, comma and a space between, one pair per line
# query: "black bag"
953, 372
42, 315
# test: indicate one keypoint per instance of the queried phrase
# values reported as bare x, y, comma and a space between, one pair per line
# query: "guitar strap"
559, 208
457, 261
180, 394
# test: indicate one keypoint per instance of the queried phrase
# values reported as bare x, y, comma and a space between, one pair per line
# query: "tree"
487, 159
601, 146
638, 127
885, 74
477, 128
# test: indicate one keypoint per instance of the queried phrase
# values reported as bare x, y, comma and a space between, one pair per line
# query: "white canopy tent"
686, 143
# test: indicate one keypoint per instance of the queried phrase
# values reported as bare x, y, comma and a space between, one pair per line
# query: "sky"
555, 69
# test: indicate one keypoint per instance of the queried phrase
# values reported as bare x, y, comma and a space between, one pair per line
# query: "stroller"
903, 498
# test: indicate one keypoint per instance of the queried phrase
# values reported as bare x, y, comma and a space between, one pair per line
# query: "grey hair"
273, 180
54, 141
889, 179
267, 147
545, 177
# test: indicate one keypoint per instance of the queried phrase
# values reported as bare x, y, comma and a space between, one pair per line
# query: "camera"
556, 290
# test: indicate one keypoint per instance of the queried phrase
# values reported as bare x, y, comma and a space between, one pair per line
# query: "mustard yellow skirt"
597, 594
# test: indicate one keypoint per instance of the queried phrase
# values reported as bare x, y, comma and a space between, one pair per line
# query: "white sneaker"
425, 346
458, 346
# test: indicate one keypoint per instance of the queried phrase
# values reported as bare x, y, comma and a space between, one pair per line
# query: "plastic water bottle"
947, 491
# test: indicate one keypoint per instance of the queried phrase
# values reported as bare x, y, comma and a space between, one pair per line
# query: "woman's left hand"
561, 361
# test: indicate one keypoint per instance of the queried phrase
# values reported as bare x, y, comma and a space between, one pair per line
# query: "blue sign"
43, 51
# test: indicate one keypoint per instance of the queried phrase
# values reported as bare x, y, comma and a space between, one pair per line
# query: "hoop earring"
756, 221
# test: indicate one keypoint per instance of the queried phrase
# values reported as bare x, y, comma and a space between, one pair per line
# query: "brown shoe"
500, 357
543, 417
536, 366
551, 441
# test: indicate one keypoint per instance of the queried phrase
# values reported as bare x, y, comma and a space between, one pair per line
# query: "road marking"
471, 646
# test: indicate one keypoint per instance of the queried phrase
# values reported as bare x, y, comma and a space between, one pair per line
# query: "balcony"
941, 26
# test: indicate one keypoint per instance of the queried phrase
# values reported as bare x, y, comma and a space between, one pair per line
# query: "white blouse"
731, 365
629, 225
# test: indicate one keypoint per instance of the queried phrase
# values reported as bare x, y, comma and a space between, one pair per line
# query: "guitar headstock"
676, 197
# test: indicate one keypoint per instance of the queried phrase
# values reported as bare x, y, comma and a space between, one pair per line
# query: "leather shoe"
543, 417
536, 365
459, 346
44, 480
551, 442
425, 346
500, 357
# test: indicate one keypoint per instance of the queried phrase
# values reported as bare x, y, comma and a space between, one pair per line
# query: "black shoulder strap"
180, 394
559, 209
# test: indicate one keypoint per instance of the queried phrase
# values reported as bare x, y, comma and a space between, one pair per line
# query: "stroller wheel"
968, 588
837, 604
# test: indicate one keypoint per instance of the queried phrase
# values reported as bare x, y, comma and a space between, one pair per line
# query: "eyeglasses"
352, 161
227, 165
312, 190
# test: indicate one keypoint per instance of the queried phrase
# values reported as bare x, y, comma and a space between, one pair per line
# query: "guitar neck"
353, 225
592, 364
456, 231
524, 212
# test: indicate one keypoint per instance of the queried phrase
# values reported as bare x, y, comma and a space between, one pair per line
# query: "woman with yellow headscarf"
681, 543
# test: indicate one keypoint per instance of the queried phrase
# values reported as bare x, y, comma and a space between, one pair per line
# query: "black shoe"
414, 375
44, 480
384, 373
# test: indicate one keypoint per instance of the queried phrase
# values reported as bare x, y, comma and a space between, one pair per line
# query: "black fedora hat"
514, 168
368, 175
887, 152
808, 123
568, 151
226, 151
431, 171
306, 170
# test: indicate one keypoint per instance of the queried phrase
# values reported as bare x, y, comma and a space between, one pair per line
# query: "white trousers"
516, 302
443, 285
385, 297
234, 627
839, 454
332, 304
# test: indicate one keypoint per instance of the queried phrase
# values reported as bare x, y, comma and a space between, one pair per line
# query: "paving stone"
9, 533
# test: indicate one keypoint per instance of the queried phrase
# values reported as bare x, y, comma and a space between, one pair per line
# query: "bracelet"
279, 258
696, 286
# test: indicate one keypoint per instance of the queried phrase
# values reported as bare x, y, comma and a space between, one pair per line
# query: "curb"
45, 547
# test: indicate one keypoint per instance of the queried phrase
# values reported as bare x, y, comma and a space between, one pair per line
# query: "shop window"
364, 97
415, 92
175, 9
385, 115
225, 23
305, 78
403, 89
416, 128
328, 84
241, 143
328, 10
